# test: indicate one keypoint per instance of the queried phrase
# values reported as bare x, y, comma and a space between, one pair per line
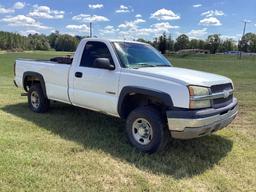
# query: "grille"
222, 102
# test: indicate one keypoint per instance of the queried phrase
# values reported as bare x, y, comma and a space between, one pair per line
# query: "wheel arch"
133, 90
31, 76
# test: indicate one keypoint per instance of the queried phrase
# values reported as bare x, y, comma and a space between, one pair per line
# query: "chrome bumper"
200, 123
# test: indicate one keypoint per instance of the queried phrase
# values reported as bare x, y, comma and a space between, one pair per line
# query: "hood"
186, 76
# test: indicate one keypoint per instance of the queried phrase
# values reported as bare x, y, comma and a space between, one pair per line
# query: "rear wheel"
146, 130
36, 99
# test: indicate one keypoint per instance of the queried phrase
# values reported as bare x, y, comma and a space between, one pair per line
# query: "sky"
129, 19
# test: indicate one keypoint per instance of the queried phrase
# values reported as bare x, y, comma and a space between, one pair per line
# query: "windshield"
136, 55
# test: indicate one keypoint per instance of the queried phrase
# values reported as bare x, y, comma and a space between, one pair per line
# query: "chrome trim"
179, 124
224, 94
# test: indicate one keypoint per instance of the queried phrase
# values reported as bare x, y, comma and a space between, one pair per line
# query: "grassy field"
72, 149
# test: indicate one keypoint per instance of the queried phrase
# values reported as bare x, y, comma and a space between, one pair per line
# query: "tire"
36, 99
153, 136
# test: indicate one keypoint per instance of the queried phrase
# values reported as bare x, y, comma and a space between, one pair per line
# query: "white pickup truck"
133, 81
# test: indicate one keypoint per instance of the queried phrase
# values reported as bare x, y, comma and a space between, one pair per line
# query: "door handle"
78, 74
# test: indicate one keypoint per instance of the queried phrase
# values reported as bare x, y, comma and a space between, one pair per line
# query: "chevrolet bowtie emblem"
226, 93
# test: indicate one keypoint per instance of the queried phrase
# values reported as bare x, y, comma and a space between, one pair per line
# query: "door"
94, 87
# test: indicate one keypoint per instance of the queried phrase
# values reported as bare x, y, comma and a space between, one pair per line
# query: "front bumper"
188, 124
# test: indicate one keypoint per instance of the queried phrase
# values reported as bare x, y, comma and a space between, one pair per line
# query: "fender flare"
37, 75
164, 97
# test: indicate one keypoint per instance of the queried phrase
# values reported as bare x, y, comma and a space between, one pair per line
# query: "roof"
113, 40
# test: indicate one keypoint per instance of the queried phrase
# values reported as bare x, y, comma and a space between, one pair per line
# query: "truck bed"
55, 76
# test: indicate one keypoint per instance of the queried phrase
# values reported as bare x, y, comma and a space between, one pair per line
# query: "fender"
38, 76
164, 97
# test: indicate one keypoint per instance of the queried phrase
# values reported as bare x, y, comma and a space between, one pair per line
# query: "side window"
94, 50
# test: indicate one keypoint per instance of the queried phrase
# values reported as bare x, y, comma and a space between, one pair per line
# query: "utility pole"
90, 29
245, 23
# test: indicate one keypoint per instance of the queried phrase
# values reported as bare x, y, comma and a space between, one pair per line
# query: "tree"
248, 43
38, 42
66, 43
213, 43
227, 45
182, 42
170, 43
162, 46
52, 38
144, 41
10, 41
16, 42
79, 38
155, 43
201, 44
194, 44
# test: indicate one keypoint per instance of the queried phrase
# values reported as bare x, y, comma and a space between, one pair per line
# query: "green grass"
73, 149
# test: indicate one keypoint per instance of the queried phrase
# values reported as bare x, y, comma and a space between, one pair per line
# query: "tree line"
213, 43
64, 42
59, 42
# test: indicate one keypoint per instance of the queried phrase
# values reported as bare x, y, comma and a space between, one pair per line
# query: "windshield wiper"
141, 65
162, 65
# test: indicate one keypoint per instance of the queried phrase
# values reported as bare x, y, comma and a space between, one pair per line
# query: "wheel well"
31, 78
29, 81
132, 101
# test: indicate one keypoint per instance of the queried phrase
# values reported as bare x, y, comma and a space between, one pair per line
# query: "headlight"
195, 92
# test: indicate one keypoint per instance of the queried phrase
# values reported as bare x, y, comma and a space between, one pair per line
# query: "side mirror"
103, 63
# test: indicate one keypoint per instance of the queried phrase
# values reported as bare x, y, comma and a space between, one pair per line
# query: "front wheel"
146, 130
36, 99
